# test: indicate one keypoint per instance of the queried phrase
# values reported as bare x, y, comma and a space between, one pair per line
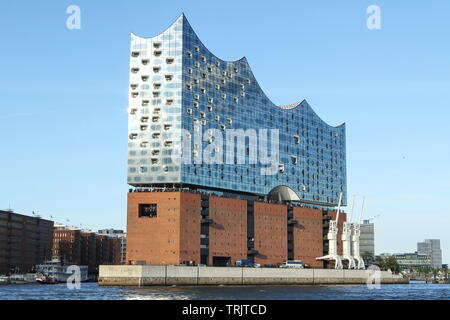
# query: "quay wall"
146, 275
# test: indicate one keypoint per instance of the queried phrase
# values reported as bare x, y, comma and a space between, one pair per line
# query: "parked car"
298, 264
244, 263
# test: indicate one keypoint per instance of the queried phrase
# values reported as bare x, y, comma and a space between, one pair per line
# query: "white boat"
4, 280
60, 273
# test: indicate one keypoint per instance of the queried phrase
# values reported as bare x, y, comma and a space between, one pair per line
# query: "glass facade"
177, 83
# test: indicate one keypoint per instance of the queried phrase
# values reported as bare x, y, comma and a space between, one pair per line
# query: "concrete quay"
149, 275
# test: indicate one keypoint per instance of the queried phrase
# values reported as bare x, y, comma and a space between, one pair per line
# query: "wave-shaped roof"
242, 62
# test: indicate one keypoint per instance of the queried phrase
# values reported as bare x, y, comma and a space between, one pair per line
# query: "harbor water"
92, 291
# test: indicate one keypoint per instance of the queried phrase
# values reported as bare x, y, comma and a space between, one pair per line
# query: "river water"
92, 291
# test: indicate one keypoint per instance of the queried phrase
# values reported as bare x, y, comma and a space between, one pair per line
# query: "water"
92, 291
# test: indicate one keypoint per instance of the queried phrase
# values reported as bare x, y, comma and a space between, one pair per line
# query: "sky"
63, 99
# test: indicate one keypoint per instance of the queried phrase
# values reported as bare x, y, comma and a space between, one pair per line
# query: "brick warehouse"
170, 228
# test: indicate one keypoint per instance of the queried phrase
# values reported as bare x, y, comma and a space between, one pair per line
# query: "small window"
156, 69
144, 61
169, 60
134, 94
144, 127
133, 136
133, 111
135, 54
189, 110
156, 135
210, 108
195, 104
157, 53
135, 70
229, 120
189, 54
157, 45
203, 90
293, 159
281, 168
144, 119
203, 58
189, 86
296, 139
217, 86
155, 119
133, 86
217, 117
196, 64
167, 127
218, 63
168, 143
190, 70
169, 77
144, 78
202, 114
156, 85
155, 94
145, 103
196, 48
236, 99
169, 102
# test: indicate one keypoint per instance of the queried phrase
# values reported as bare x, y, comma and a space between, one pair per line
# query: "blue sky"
63, 96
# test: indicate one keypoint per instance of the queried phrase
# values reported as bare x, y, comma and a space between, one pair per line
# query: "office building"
367, 238
413, 261
432, 248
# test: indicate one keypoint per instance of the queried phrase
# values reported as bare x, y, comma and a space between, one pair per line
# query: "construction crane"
347, 239
355, 239
332, 239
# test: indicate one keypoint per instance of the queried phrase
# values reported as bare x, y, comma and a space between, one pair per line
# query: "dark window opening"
147, 210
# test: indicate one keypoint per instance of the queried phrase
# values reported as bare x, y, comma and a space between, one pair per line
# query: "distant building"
83, 247
24, 241
119, 234
413, 260
367, 238
432, 248
67, 244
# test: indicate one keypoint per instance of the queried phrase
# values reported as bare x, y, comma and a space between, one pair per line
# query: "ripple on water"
92, 291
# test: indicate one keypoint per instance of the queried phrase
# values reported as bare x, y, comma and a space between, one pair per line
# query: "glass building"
182, 98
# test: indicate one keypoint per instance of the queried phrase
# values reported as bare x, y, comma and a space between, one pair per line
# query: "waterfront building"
25, 241
413, 260
122, 237
367, 238
73, 245
192, 119
432, 248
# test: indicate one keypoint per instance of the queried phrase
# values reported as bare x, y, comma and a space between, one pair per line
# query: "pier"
147, 275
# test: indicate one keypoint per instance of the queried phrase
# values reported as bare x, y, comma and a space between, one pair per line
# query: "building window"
148, 210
